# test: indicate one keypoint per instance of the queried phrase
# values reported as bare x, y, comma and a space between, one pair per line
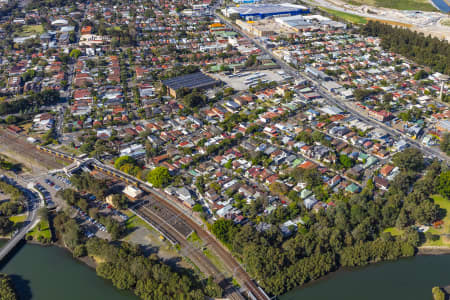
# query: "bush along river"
408, 278
51, 273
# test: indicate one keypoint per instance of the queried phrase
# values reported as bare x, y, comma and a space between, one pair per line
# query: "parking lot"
53, 183
47, 196
92, 227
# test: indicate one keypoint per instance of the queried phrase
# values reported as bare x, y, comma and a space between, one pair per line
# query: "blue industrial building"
262, 11
246, 1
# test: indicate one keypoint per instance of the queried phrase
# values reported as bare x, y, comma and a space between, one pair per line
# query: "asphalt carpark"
51, 189
90, 227
238, 83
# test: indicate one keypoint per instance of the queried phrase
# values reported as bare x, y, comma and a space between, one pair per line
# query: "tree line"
7, 291
425, 50
13, 206
46, 97
129, 269
148, 277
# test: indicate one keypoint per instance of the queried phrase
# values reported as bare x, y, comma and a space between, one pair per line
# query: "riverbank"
88, 261
407, 278
51, 273
433, 250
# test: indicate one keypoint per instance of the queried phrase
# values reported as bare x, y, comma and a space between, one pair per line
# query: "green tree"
445, 143
222, 229
444, 184
7, 291
438, 294
6, 226
346, 161
159, 177
124, 160
420, 75
410, 159
75, 53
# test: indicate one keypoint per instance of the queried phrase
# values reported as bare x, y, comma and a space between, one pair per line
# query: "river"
442, 5
410, 278
51, 273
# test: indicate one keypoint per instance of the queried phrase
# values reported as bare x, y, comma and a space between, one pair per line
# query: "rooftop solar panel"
194, 80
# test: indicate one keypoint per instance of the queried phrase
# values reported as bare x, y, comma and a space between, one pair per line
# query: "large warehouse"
196, 80
261, 11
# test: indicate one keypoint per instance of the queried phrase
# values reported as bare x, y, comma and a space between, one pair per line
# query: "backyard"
28, 30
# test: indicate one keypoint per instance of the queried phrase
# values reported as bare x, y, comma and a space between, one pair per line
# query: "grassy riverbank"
423, 5
345, 16
444, 230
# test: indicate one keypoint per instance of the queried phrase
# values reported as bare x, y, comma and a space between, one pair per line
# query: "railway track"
26, 152
234, 267
195, 254
230, 263
187, 250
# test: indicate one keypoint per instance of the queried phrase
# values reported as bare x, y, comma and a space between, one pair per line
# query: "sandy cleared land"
423, 5
428, 22
445, 22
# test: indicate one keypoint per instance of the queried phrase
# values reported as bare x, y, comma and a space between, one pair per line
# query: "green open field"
134, 221
345, 16
423, 5
28, 30
195, 239
442, 231
394, 231
18, 220
217, 262
445, 228
44, 231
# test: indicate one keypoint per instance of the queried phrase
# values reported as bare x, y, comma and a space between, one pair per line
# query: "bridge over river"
30, 222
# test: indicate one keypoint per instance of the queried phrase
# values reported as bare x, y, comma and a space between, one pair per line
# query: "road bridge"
30, 222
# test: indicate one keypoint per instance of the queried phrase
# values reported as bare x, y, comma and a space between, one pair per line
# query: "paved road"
30, 222
332, 99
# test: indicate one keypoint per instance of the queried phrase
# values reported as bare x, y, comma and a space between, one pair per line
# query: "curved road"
30, 222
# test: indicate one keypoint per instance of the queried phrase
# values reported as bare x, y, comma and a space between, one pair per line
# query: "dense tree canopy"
409, 160
148, 278
425, 50
349, 233
7, 291
159, 177
46, 97
445, 143
124, 160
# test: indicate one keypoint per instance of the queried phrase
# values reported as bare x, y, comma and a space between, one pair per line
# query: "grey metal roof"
194, 80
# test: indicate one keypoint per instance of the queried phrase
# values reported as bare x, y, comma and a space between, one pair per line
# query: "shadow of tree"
22, 287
